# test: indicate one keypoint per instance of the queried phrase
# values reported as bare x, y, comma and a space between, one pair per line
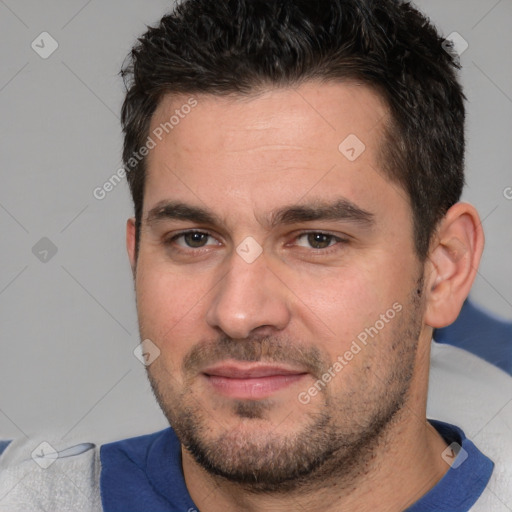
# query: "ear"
452, 264
130, 243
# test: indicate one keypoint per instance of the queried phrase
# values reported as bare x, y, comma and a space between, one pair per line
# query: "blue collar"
144, 474
464, 482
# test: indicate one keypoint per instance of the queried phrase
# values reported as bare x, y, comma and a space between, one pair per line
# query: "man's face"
268, 254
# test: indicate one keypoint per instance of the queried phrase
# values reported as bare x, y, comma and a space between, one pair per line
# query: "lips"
251, 380
239, 371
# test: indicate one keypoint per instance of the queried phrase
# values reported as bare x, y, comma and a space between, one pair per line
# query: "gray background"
68, 324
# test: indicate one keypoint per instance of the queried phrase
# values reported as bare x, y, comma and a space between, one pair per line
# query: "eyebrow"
173, 210
339, 210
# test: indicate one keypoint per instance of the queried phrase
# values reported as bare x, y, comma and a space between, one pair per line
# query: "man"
296, 169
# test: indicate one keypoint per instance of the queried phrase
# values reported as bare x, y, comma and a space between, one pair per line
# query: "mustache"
267, 349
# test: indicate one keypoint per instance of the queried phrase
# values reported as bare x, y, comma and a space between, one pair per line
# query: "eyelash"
172, 239
327, 250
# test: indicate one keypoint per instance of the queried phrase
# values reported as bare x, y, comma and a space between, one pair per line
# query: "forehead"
275, 146
296, 115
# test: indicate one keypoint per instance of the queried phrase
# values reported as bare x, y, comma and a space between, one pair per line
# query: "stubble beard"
339, 435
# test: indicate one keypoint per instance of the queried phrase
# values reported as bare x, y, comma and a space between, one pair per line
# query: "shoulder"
481, 333
127, 460
144, 473
136, 448
464, 387
44, 473
466, 391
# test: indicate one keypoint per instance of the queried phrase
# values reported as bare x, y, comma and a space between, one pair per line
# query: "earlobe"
130, 243
452, 264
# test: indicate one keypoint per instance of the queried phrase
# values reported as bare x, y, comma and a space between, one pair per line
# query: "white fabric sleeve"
45, 474
468, 392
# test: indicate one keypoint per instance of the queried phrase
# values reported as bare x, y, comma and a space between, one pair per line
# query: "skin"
361, 443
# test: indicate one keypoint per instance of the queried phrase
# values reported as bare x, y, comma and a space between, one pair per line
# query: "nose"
249, 298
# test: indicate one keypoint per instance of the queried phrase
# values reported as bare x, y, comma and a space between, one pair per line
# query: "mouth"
251, 380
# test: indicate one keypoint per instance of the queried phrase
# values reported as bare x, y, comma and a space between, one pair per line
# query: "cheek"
354, 304
170, 308
342, 301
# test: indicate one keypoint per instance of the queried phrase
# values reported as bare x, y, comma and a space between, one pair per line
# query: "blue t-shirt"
144, 474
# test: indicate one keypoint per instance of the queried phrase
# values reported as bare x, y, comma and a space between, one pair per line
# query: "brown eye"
192, 240
316, 240
195, 239
319, 240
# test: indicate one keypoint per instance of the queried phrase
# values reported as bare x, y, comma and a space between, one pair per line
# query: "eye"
193, 239
317, 240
